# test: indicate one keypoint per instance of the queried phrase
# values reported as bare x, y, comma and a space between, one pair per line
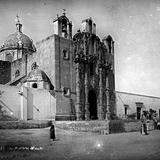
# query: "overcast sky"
133, 24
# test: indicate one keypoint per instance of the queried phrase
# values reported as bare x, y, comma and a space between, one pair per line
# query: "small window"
65, 54
17, 73
34, 85
66, 91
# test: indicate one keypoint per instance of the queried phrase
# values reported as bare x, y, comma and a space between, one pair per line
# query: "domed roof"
37, 75
17, 40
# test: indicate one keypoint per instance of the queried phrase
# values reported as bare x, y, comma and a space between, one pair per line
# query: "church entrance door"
92, 99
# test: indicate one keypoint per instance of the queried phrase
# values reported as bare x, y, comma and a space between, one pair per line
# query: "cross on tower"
64, 12
17, 19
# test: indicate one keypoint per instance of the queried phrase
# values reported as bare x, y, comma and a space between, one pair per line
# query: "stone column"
100, 107
78, 95
86, 78
86, 94
107, 97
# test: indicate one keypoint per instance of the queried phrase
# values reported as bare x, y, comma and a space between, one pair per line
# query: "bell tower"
62, 26
63, 67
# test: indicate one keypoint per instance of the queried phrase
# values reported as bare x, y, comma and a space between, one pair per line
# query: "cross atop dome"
18, 24
17, 19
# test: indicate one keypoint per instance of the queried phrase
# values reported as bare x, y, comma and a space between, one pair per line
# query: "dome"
37, 75
17, 40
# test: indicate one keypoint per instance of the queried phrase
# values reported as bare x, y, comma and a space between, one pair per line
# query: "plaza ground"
78, 145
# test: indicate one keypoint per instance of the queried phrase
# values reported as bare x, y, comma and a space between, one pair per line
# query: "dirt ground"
35, 144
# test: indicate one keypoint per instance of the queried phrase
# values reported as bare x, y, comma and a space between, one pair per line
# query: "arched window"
17, 73
34, 85
64, 25
64, 28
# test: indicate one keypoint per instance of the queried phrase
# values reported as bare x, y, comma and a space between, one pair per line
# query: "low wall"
84, 126
102, 127
119, 126
24, 124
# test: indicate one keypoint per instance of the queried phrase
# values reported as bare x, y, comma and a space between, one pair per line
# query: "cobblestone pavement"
35, 144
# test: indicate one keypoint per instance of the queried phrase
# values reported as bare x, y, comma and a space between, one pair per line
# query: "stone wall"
63, 64
84, 126
24, 124
102, 127
10, 100
65, 107
45, 57
5, 72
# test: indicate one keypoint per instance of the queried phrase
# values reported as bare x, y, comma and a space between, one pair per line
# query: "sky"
133, 24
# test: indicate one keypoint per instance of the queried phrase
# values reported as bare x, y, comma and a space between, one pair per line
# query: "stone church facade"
78, 69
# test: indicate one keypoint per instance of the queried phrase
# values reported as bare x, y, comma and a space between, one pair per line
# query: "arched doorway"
92, 99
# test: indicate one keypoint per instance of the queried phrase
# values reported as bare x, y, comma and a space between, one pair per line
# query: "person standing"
52, 132
144, 124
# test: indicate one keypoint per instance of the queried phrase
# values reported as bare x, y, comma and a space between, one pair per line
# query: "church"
76, 70
65, 76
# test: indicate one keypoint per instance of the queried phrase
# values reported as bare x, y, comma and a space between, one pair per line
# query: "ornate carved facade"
94, 71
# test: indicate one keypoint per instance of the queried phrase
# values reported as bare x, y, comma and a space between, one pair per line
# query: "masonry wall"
10, 100
44, 104
65, 107
19, 64
31, 58
131, 99
5, 72
63, 65
45, 57
59, 69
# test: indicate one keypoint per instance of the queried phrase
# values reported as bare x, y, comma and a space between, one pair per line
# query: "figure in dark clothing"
144, 125
52, 133
155, 122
